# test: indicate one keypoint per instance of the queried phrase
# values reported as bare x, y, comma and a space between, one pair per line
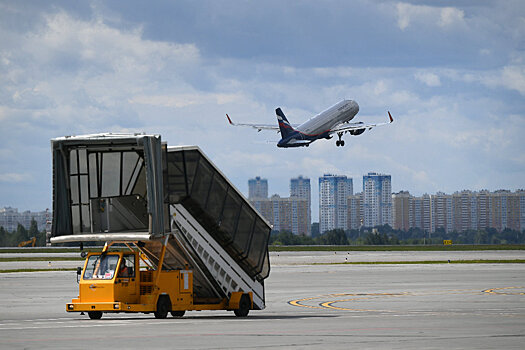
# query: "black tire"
95, 315
177, 313
342, 143
163, 307
244, 306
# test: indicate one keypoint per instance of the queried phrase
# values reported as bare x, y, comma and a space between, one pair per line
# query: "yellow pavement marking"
326, 303
496, 291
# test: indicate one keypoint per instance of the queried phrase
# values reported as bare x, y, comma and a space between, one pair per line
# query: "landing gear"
339, 142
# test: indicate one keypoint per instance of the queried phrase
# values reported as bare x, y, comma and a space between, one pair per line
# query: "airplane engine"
357, 132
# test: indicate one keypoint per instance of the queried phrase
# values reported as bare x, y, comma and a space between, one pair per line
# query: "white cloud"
94, 42
428, 78
185, 100
422, 15
450, 16
15, 177
513, 77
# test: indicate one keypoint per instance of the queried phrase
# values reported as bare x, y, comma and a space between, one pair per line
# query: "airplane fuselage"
319, 126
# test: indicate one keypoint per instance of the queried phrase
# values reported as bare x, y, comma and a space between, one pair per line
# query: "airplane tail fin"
284, 125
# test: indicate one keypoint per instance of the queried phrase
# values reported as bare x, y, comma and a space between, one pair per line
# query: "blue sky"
451, 72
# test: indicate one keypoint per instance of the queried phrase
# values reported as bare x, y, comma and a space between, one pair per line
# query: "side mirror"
83, 254
79, 272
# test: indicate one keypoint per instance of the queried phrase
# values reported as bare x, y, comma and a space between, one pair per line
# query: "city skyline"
314, 213
377, 205
291, 213
315, 194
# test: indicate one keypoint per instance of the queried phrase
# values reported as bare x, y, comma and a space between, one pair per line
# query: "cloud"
450, 16
422, 15
15, 177
510, 77
513, 77
185, 100
428, 78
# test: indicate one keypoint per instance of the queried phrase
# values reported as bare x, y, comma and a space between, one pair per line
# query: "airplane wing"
359, 126
259, 127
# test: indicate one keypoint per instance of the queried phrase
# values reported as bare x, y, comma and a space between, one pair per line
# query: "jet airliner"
334, 120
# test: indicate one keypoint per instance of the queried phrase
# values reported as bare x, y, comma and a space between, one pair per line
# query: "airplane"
334, 120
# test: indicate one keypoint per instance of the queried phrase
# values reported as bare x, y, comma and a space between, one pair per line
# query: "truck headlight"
70, 306
116, 306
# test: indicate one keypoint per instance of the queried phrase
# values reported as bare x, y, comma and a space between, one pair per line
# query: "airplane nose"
352, 105
355, 106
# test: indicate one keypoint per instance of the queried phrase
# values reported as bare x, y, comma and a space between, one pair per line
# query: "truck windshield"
101, 267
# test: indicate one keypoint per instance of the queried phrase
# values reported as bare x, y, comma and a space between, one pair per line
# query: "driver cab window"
127, 266
101, 267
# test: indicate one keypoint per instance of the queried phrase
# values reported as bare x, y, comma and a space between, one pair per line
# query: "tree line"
380, 235
21, 234
386, 235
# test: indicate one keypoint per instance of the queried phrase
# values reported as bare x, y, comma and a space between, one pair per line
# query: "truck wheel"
163, 307
95, 315
244, 306
177, 313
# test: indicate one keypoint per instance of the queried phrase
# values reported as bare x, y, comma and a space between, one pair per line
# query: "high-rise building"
300, 188
11, 217
355, 211
521, 198
284, 214
483, 209
400, 210
333, 206
257, 188
442, 211
465, 210
377, 199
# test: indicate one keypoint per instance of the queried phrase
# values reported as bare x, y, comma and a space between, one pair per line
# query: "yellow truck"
120, 281
178, 235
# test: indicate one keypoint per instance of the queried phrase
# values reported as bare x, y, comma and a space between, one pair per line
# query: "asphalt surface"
296, 258
445, 306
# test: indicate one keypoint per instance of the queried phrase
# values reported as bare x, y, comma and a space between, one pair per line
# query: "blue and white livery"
334, 120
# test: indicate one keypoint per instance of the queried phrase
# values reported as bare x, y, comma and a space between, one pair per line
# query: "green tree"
333, 237
20, 235
481, 237
4, 238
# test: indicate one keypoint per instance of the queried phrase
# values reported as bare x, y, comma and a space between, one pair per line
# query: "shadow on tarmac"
210, 317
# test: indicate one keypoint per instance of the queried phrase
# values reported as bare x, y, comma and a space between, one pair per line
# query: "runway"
453, 306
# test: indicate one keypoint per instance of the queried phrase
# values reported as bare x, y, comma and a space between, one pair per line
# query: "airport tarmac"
452, 306
297, 257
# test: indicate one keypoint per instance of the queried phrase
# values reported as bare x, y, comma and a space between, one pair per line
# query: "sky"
452, 73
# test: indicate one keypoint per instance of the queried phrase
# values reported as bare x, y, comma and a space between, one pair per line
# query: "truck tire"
95, 315
244, 306
163, 307
177, 313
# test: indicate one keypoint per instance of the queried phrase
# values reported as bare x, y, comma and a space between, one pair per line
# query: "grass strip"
41, 258
36, 270
367, 248
314, 248
47, 250
480, 261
